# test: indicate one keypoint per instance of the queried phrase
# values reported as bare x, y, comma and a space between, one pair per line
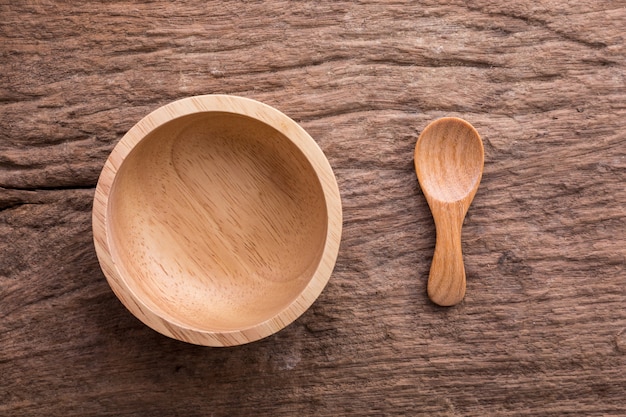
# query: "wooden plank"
542, 330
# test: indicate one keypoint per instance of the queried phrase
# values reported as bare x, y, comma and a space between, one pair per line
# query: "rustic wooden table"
542, 329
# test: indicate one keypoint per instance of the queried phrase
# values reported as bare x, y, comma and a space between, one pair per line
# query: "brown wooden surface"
542, 329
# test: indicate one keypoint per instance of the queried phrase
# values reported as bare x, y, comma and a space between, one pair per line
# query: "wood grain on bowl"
217, 220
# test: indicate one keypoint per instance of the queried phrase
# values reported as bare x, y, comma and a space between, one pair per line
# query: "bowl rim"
238, 106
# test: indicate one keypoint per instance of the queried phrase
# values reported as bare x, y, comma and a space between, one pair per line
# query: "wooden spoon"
449, 159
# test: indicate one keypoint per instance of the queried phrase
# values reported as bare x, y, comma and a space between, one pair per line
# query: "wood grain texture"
449, 159
542, 329
217, 220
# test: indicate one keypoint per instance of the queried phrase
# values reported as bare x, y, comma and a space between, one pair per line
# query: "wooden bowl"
217, 220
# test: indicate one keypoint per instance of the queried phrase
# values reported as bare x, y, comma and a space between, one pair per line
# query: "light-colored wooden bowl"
217, 220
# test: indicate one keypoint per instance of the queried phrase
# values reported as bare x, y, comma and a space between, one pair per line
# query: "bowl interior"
217, 221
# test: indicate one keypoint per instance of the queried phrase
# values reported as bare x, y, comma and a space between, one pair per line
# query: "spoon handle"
446, 282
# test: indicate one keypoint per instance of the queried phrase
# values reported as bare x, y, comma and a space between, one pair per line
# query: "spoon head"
449, 159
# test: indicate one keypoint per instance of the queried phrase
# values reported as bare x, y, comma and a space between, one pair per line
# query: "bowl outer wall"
240, 106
